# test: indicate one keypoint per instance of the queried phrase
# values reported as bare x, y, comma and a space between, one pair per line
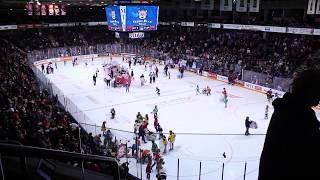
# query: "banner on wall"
311, 7
242, 6
37, 9
188, 24
254, 5
56, 10
306, 31
316, 32
225, 5
318, 7
214, 25
275, 29
43, 10
51, 10
63, 10
29, 8
8, 27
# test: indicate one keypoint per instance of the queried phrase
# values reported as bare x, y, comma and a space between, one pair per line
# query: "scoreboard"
132, 18
141, 18
114, 18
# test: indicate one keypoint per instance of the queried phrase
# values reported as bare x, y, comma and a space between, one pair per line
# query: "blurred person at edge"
292, 144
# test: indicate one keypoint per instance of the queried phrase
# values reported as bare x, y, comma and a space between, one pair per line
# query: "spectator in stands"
292, 145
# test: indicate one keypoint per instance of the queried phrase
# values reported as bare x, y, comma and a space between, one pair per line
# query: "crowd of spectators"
32, 116
33, 39
220, 51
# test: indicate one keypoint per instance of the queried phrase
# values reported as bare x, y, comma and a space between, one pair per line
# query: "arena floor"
204, 127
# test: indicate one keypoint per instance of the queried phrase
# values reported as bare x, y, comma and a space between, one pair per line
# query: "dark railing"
7, 149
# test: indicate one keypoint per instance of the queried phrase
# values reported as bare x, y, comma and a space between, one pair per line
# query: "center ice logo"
113, 14
142, 14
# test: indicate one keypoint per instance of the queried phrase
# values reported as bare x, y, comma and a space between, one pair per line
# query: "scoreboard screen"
132, 18
114, 18
141, 18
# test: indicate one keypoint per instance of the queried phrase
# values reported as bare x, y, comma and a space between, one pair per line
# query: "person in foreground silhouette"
292, 144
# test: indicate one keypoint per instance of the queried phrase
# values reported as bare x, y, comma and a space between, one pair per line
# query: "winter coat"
164, 141
247, 123
148, 168
172, 137
292, 144
141, 131
154, 147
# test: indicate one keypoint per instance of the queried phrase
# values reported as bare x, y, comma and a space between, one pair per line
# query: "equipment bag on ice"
253, 125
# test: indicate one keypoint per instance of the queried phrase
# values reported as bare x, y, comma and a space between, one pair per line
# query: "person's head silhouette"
306, 87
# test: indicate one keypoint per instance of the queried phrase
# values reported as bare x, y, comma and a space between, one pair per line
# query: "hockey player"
148, 170
208, 91
171, 139
198, 90
103, 127
142, 134
150, 77
165, 143
157, 71
94, 78
247, 124
158, 91
269, 95
156, 123
146, 118
108, 80
127, 85
155, 111
160, 130
132, 75
225, 100
97, 71
142, 80
166, 70
154, 147
224, 93
113, 113
153, 77
42, 68
139, 117
266, 112
129, 63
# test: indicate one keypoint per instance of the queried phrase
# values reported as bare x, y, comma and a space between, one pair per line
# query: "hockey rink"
204, 128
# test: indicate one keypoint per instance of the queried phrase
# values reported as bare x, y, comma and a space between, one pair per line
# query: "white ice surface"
216, 129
